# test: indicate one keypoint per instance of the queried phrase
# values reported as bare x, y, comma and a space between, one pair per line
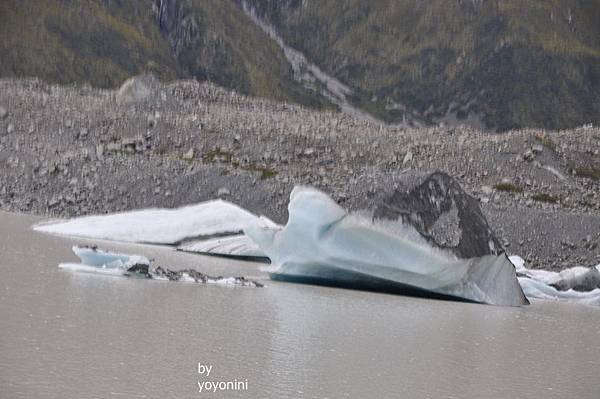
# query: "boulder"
137, 89
189, 155
582, 282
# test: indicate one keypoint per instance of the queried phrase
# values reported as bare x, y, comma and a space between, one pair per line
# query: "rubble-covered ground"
68, 151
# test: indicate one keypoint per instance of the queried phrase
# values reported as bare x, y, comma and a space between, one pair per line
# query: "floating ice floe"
577, 284
212, 227
322, 243
94, 260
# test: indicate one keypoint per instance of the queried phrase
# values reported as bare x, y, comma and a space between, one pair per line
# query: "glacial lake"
75, 335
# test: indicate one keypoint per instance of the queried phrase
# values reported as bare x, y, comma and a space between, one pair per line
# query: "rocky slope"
69, 150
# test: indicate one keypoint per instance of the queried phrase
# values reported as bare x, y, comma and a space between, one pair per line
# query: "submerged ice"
323, 243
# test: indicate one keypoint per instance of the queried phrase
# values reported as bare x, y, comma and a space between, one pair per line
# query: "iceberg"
158, 226
213, 227
576, 284
323, 243
94, 260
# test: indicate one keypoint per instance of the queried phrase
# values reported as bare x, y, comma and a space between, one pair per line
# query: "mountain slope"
509, 62
103, 42
496, 64
214, 40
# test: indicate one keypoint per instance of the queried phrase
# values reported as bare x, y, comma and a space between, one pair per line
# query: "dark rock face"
198, 277
140, 269
441, 211
167, 273
180, 28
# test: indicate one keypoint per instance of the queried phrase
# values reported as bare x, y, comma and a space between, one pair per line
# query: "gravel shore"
67, 151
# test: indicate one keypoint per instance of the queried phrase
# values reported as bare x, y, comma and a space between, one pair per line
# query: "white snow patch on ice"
232, 245
159, 226
235, 245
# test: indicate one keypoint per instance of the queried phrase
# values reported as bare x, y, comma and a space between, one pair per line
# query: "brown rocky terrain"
73, 150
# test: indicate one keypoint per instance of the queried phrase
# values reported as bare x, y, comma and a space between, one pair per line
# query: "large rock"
441, 211
137, 89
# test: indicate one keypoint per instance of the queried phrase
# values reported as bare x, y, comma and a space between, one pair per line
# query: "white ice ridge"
538, 283
322, 243
199, 223
238, 245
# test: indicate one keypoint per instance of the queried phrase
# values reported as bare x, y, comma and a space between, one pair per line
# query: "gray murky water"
67, 335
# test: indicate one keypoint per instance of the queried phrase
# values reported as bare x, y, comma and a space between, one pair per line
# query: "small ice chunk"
94, 260
544, 284
538, 289
93, 256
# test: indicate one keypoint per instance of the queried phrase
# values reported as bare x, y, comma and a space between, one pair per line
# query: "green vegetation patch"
587, 172
217, 155
543, 197
508, 187
265, 172
545, 139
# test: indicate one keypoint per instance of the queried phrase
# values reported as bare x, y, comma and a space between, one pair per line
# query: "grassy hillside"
506, 63
516, 63
103, 42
